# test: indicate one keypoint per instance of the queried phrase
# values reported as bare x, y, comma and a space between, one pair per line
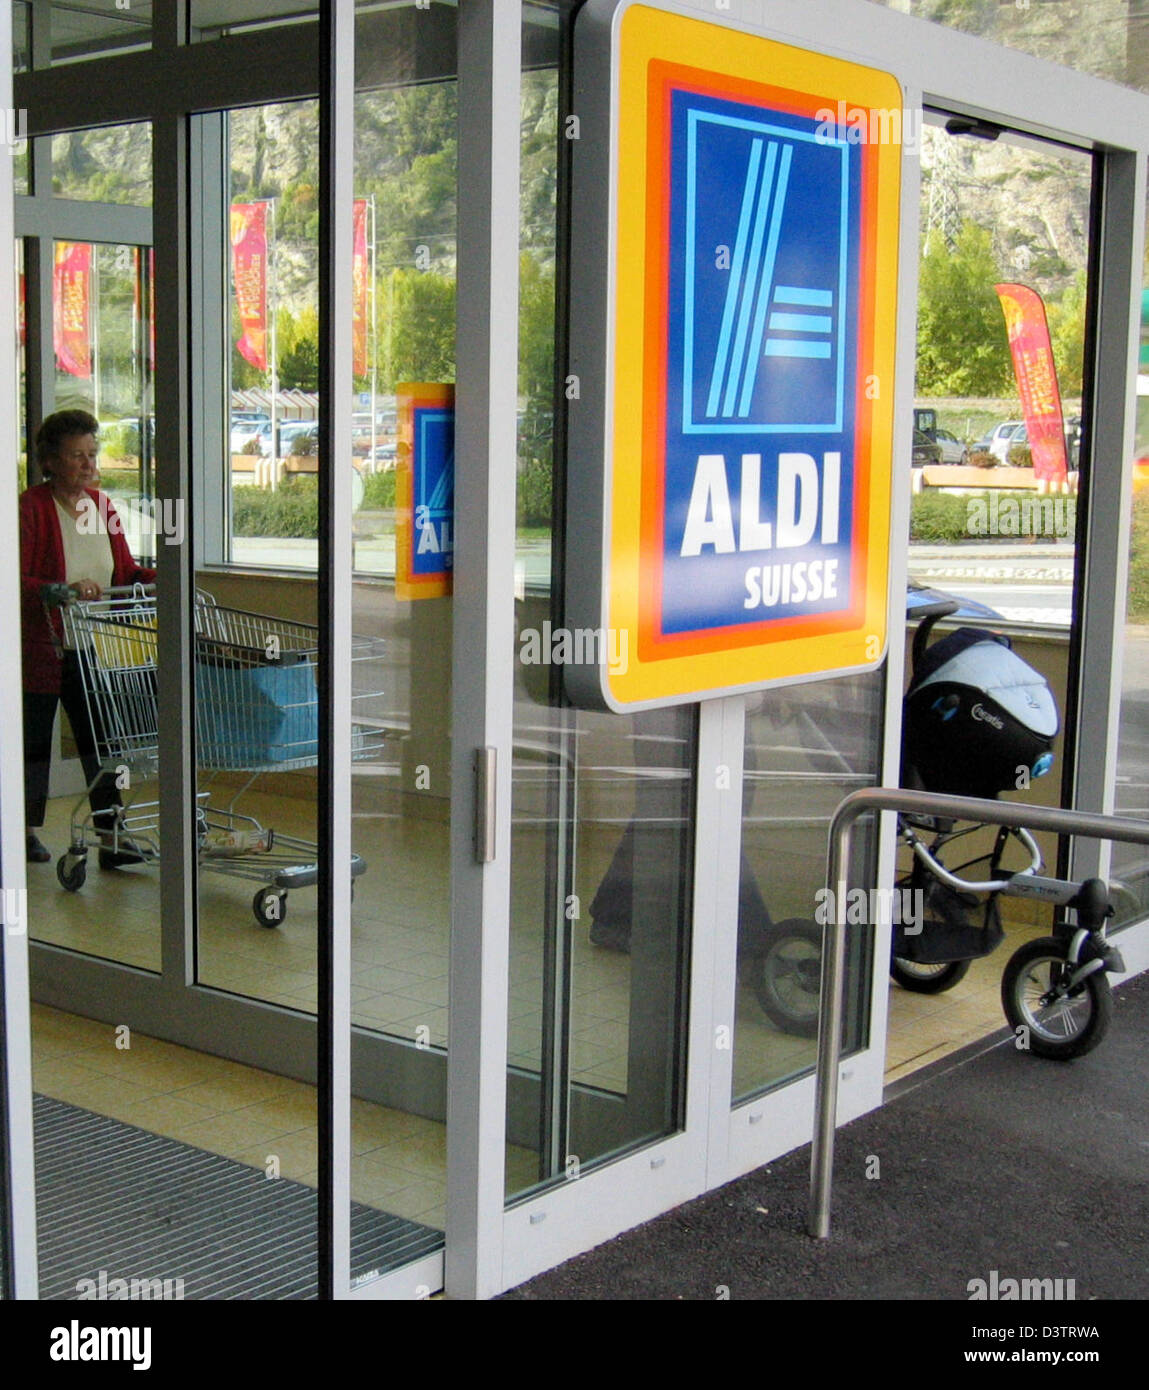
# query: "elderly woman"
59, 544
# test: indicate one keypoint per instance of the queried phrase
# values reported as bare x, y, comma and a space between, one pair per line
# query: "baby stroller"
977, 721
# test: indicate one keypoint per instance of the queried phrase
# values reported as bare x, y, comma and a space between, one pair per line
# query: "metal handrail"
968, 808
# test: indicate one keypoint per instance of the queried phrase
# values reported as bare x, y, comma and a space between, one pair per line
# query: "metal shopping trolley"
256, 708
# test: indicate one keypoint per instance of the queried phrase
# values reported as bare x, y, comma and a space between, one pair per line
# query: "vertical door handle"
486, 768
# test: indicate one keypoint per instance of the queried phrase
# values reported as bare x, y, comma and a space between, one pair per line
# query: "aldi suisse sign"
731, 388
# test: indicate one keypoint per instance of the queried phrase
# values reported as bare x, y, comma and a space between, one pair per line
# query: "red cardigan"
42, 562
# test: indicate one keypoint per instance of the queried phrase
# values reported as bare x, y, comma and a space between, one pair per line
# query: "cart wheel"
71, 872
270, 906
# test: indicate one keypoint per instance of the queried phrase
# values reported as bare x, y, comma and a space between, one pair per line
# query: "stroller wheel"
927, 979
787, 976
1059, 1022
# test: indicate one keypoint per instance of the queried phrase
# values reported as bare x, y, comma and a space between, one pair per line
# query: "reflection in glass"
806, 748
1104, 38
109, 164
403, 336
84, 32
1130, 866
99, 898
602, 804
216, 19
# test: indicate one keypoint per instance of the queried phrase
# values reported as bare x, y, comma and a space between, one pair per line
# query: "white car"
998, 440
953, 450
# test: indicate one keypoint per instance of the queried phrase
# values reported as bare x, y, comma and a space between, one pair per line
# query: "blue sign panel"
761, 369
434, 496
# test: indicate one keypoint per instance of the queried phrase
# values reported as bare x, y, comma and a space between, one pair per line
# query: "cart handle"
58, 595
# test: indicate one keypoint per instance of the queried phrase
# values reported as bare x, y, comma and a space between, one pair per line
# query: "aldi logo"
759, 351
737, 529
425, 490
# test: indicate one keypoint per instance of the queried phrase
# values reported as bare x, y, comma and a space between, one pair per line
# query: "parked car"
242, 434
925, 450
291, 432
953, 450
1020, 435
920, 595
996, 441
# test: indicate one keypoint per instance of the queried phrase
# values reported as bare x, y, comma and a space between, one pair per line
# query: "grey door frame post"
486, 354
966, 808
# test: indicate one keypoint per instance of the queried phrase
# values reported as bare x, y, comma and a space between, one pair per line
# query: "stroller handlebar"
964, 885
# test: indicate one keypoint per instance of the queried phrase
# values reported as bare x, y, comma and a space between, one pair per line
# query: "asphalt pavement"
992, 1166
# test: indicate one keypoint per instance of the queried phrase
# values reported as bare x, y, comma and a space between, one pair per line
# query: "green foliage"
297, 348
533, 499
536, 360
292, 511
120, 441
939, 516
417, 339
1020, 456
1137, 607
1067, 334
379, 491
962, 345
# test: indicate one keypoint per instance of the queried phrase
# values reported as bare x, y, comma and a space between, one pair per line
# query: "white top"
87, 548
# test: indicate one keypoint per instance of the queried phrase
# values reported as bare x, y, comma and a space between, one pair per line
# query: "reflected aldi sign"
425, 490
732, 378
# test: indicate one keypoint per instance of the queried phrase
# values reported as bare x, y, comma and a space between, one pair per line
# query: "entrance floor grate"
117, 1203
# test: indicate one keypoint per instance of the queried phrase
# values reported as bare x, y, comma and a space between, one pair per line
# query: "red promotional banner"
249, 268
71, 287
1028, 331
138, 298
360, 272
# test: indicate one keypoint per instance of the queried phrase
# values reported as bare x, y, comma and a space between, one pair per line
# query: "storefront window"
1104, 38
1130, 866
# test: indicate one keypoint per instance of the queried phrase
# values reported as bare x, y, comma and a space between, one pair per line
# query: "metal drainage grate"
115, 1202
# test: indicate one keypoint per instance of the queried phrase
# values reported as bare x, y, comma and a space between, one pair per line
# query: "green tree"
417, 327
1067, 334
962, 344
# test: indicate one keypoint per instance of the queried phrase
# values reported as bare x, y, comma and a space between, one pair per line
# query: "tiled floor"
399, 985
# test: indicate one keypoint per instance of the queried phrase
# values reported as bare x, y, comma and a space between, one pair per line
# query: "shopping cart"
256, 710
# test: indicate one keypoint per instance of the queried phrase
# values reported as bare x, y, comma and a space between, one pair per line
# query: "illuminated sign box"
734, 264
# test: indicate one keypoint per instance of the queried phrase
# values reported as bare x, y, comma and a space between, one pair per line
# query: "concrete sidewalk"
999, 1161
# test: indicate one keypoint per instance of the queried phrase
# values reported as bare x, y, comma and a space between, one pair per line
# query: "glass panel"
21, 35
110, 164
257, 637
602, 804
103, 338
1105, 38
1130, 864
1014, 211
402, 621
274, 335
81, 32
216, 19
806, 748
996, 472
